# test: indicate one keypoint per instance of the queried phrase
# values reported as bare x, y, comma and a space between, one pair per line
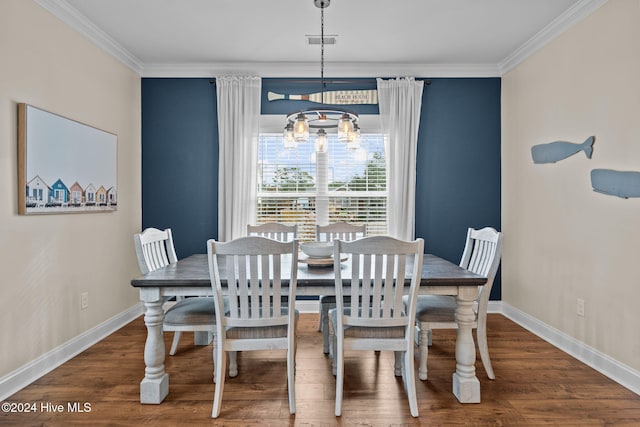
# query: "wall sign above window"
332, 97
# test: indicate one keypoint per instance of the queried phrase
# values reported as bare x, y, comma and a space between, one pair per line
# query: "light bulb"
353, 138
288, 138
345, 125
322, 143
301, 128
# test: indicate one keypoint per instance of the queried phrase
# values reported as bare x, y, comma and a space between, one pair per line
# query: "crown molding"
74, 19
562, 23
310, 69
70, 16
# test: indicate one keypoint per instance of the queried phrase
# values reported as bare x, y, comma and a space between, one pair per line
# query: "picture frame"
64, 166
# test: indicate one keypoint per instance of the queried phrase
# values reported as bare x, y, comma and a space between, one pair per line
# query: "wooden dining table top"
193, 271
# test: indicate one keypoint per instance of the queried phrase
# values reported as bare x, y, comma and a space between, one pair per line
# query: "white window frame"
368, 123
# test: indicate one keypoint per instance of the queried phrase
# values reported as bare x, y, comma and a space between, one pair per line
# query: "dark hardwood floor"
536, 385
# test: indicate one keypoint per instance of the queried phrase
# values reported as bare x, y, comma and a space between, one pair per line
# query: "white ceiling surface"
267, 38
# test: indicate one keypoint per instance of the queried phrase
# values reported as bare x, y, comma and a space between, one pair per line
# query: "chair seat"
191, 311
364, 332
279, 331
436, 308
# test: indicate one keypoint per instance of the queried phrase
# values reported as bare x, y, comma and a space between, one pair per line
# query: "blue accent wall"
180, 161
458, 163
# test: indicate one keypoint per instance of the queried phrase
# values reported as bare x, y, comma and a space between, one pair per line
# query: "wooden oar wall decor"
334, 97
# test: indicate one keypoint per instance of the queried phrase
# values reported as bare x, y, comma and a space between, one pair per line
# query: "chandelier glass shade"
299, 123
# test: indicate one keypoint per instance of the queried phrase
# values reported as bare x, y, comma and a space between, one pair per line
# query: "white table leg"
466, 386
155, 385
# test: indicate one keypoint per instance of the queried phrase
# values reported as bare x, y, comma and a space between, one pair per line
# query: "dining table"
190, 277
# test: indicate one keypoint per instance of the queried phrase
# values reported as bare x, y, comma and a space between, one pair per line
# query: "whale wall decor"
623, 184
559, 150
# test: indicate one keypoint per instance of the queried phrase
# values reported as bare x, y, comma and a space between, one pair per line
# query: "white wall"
46, 261
562, 240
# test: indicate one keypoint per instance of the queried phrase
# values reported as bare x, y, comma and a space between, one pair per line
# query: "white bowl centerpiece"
317, 249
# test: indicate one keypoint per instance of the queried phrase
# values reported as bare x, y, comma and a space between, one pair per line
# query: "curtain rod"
342, 81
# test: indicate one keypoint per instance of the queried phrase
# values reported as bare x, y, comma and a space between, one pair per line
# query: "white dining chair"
481, 255
328, 233
274, 230
256, 318
374, 316
154, 250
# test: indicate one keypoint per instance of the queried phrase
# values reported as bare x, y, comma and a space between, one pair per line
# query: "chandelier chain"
298, 123
322, 54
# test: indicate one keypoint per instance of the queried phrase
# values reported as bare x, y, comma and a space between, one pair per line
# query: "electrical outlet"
84, 300
580, 307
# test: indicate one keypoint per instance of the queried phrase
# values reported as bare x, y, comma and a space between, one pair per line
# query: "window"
287, 190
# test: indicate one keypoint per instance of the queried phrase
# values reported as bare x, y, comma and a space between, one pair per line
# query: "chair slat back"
254, 279
340, 231
274, 230
154, 249
481, 255
384, 263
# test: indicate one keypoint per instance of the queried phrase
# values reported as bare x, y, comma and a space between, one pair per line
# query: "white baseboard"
606, 365
22, 377
494, 307
618, 372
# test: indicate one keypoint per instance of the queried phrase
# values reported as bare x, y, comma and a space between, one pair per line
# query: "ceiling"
268, 38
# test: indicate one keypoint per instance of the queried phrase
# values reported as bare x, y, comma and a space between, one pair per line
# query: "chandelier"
322, 119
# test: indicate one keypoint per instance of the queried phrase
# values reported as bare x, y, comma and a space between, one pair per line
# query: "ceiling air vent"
328, 39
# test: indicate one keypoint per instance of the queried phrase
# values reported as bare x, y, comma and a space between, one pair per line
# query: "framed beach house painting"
63, 165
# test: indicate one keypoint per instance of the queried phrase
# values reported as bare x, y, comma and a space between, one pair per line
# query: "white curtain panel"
238, 129
400, 102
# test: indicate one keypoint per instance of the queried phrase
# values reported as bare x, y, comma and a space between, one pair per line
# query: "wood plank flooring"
536, 385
